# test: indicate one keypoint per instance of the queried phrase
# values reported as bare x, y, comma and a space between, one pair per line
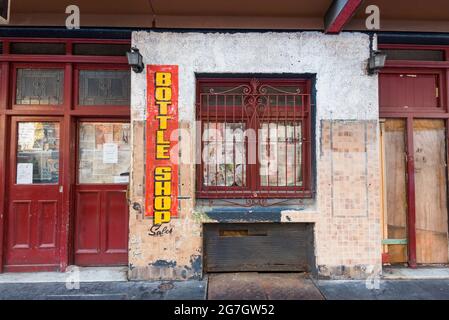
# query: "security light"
376, 62
135, 60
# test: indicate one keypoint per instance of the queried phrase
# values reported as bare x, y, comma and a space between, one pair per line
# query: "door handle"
61, 189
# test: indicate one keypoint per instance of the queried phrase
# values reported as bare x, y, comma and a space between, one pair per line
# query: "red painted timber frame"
441, 67
343, 17
68, 111
4, 69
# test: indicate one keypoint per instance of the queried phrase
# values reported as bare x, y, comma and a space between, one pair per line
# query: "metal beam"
420, 38
339, 14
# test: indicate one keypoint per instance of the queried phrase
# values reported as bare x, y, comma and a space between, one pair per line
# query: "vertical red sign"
161, 199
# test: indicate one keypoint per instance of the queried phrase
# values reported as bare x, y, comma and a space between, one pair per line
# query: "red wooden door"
101, 224
34, 195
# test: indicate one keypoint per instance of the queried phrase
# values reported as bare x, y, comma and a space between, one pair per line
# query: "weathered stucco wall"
345, 209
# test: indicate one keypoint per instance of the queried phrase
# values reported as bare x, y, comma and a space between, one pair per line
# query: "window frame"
98, 67
253, 188
40, 107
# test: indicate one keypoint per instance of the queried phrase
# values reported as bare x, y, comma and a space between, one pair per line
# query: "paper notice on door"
110, 153
24, 173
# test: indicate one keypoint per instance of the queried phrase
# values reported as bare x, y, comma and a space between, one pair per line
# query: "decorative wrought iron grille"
255, 138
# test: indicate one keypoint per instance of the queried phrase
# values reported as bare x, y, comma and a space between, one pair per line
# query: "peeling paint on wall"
344, 91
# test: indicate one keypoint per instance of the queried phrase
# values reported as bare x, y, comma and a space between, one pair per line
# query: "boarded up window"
409, 92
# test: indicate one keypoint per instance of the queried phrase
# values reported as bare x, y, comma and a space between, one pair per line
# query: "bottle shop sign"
161, 143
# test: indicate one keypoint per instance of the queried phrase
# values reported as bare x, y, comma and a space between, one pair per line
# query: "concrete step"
420, 273
73, 274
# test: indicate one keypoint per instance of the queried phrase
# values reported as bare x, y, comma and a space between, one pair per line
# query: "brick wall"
347, 218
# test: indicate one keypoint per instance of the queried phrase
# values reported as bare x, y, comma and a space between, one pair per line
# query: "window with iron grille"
255, 138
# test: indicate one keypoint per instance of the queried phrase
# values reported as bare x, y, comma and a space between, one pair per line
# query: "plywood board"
396, 191
431, 196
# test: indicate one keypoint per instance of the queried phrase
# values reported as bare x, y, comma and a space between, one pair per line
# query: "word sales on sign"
161, 162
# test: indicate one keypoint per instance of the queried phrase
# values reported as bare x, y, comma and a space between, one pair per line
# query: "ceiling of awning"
100, 7
282, 8
286, 8
410, 9
397, 15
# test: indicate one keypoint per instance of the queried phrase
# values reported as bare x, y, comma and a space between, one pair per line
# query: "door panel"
101, 230
116, 222
47, 223
20, 220
33, 217
87, 235
395, 204
430, 191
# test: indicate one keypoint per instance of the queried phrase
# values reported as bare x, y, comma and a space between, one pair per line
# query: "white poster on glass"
110, 153
24, 173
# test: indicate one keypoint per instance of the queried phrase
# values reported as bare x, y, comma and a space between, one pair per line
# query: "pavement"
225, 286
262, 286
121, 290
89, 283
386, 290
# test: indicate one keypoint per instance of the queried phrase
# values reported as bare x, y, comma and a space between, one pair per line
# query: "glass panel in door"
104, 153
37, 153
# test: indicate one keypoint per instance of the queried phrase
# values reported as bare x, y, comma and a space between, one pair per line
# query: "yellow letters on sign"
162, 120
161, 217
163, 79
162, 174
162, 151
